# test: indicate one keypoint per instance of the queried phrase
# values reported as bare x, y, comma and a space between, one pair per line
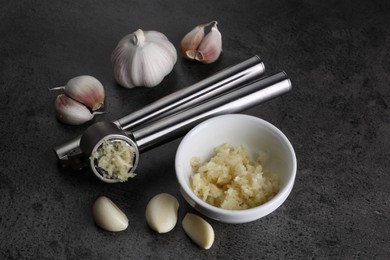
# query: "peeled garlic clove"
199, 230
190, 42
86, 90
143, 58
161, 212
72, 112
211, 47
108, 216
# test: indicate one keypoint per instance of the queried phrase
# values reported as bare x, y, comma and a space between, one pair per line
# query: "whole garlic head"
143, 58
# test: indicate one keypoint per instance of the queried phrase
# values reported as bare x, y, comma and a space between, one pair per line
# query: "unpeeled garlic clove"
190, 42
108, 216
72, 112
86, 90
206, 49
211, 46
199, 230
161, 212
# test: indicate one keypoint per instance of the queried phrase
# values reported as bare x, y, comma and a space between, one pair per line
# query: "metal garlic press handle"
221, 82
158, 132
69, 153
171, 127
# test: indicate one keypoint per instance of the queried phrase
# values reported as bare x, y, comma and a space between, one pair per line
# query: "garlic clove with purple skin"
190, 42
86, 90
72, 112
211, 46
204, 48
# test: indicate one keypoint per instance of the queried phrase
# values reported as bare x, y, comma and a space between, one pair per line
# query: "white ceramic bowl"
258, 136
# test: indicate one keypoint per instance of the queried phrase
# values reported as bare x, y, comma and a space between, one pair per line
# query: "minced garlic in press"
115, 159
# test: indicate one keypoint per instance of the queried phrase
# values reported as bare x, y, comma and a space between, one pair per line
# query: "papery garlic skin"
191, 41
86, 90
72, 112
211, 47
195, 45
143, 58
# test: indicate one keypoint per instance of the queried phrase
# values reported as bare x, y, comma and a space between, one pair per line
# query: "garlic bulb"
72, 112
196, 46
143, 58
86, 90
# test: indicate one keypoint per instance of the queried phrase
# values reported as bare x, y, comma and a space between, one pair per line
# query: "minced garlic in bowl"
231, 180
244, 137
115, 159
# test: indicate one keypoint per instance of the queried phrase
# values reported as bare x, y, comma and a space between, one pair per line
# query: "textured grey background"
337, 54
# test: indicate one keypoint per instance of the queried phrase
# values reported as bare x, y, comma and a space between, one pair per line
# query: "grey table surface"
337, 55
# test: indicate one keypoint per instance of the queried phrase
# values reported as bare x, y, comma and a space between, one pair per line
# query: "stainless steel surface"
216, 84
95, 133
169, 128
102, 132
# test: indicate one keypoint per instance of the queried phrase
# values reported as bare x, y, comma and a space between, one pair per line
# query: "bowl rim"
270, 205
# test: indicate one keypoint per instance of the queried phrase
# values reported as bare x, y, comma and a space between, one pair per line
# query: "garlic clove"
190, 42
199, 230
211, 47
143, 58
161, 212
72, 112
86, 90
195, 45
108, 216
